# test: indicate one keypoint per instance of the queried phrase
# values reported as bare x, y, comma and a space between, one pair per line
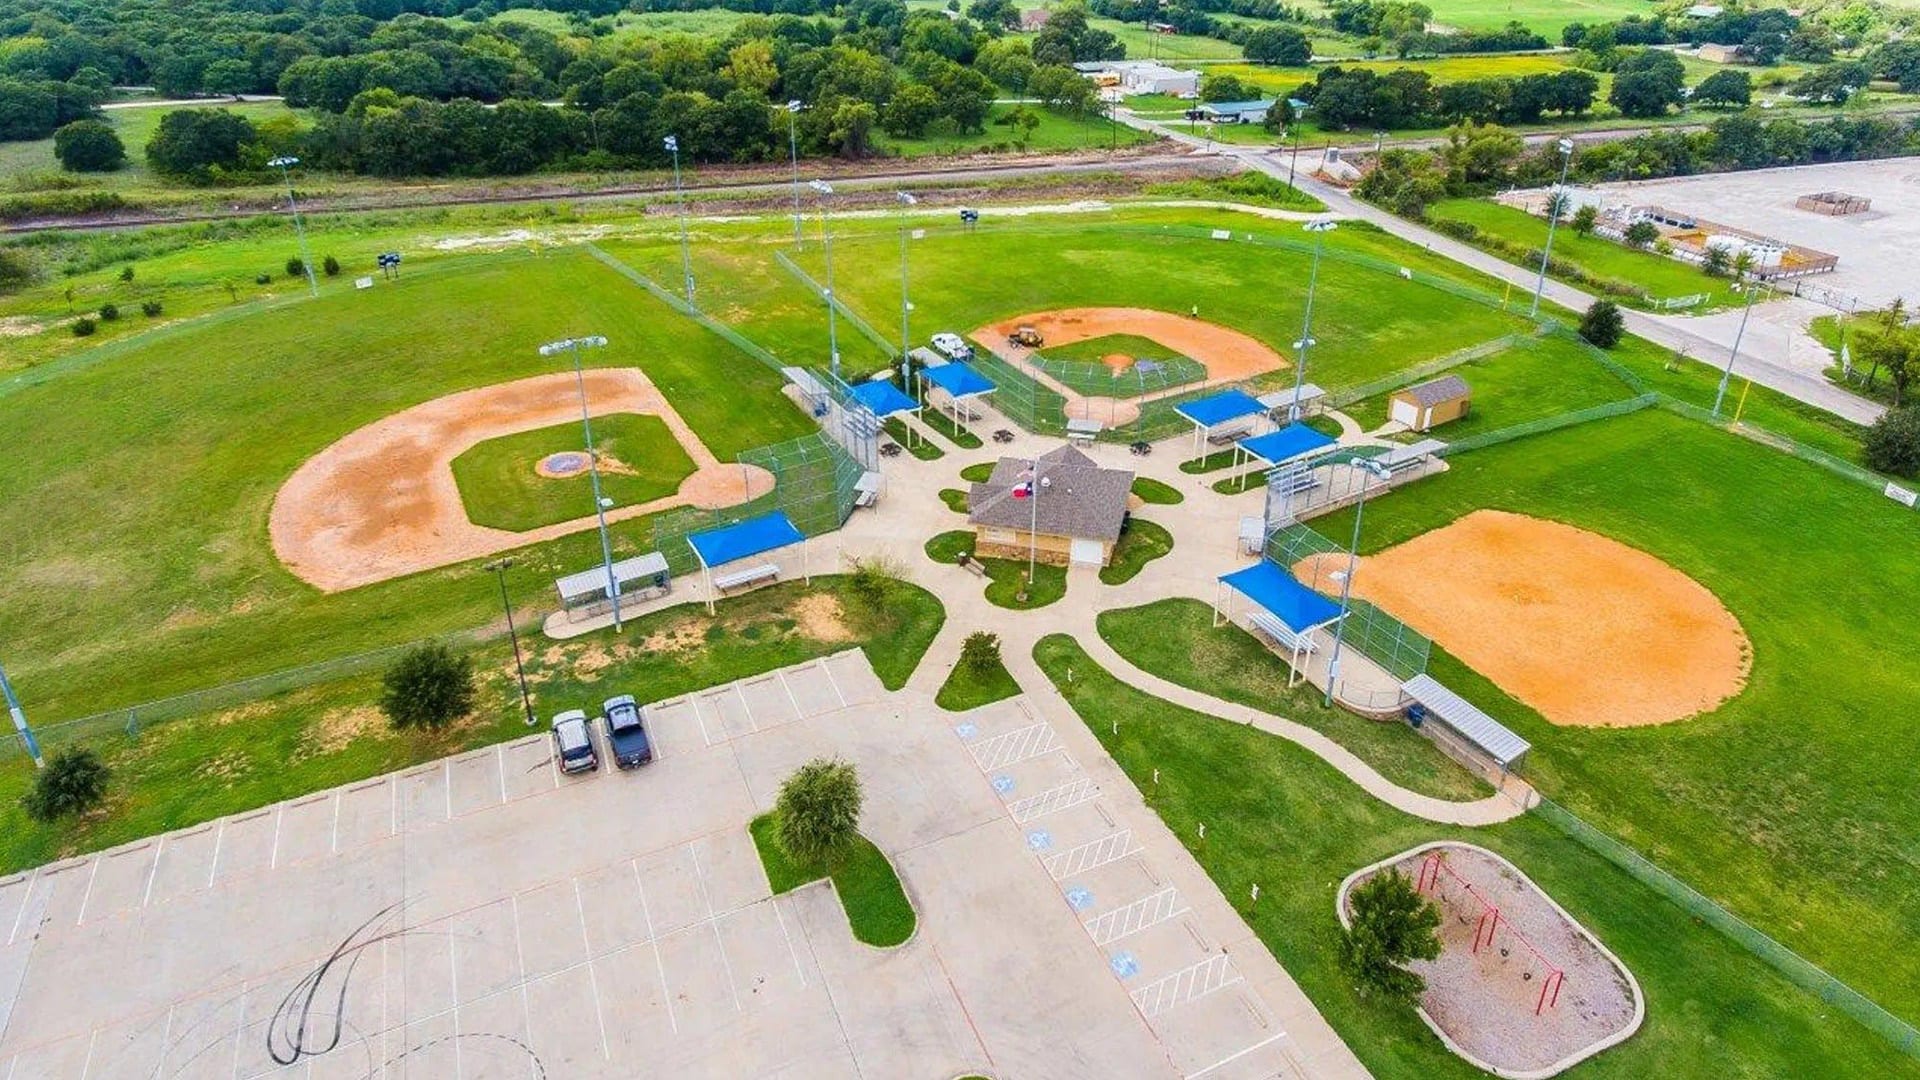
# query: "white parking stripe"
1013, 747
831, 681
146, 895
740, 690
1091, 855
453, 966
273, 858
1053, 800
520, 959
1129, 919
219, 835
446, 782
791, 951
87, 1066
1195, 981
333, 843
24, 898
798, 712
1231, 1058
693, 702
93, 870
700, 876
599, 1014
500, 763
239, 1029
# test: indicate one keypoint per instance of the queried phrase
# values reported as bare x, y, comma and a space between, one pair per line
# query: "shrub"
109, 312
872, 582
1602, 324
1892, 444
1390, 924
980, 652
1641, 233
17, 270
84, 327
89, 146
429, 687
74, 782
331, 265
262, 279
296, 268
150, 308
126, 273
819, 811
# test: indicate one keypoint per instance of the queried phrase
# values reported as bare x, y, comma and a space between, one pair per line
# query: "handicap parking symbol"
1124, 965
1081, 898
966, 731
1039, 840
1003, 783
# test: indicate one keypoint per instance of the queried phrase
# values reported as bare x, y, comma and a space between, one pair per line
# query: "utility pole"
283, 163
1553, 218
600, 502
826, 232
1753, 288
20, 722
680, 195
499, 568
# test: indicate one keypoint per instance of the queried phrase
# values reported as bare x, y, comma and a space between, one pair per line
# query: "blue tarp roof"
745, 539
1286, 444
1292, 603
959, 380
883, 398
1220, 408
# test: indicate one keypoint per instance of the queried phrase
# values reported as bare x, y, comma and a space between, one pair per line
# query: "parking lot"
487, 916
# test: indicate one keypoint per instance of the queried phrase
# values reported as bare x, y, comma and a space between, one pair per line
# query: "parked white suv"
952, 347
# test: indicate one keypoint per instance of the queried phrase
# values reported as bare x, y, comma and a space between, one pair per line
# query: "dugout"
1282, 611
586, 594
1460, 728
1225, 417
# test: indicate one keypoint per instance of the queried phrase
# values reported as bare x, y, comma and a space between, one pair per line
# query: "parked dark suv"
573, 742
627, 732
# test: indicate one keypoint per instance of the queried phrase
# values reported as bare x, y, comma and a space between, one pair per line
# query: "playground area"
1625, 639
1519, 988
383, 501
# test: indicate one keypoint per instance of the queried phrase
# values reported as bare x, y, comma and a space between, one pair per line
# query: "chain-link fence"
890, 347
814, 483
1144, 376
1798, 970
1398, 648
1347, 395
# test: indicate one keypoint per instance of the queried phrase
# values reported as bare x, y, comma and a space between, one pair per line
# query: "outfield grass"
139, 559
1006, 578
1291, 824
968, 689
1155, 493
1537, 378
1785, 803
1603, 259
1177, 640
500, 488
200, 767
1140, 543
877, 907
1096, 350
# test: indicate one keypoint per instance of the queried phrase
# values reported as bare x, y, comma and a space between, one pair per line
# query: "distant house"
1151, 78
1719, 54
1424, 405
1034, 20
1163, 28
1236, 112
1704, 11
1070, 514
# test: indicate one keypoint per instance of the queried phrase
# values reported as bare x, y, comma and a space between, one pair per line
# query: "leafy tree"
195, 143
1602, 324
84, 327
1900, 62
16, 270
1584, 219
1726, 88
1390, 923
109, 312
74, 782
296, 268
150, 308
1219, 87
1892, 443
995, 14
1023, 121
1283, 45
980, 652
1647, 82
89, 146
1895, 350
1641, 233
1833, 83
818, 811
1715, 261
429, 687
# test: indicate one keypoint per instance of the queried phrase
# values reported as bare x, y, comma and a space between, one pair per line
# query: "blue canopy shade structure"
1289, 442
1221, 408
1298, 607
883, 398
745, 539
958, 379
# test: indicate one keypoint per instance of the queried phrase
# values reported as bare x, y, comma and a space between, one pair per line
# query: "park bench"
752, 575
973, 566
1232, 434
1273, 628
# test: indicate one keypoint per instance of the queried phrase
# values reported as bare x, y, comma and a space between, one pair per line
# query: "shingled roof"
1075, 497
1444, 388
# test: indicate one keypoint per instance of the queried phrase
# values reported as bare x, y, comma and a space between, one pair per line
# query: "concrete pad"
202, 1035
528, 766
854, 677
766, 965
244, 844
812, 689
671, 891
477, 781
631, 993
698, 980
423, 796
119, 882
423, 962
368, 812
731, 708
565, 1027
730, 869
58, 1061
552, 936
129, 1050
494, 1040
13, 899
306, 829
426, 1050
486, 950
674, 728
1230, 1033
610, 904
768, 700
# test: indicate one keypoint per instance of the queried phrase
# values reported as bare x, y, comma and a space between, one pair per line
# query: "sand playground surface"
382, 502
1229, 355
1586, 630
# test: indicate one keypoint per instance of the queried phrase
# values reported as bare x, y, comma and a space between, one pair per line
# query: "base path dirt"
1586, 630
382, 501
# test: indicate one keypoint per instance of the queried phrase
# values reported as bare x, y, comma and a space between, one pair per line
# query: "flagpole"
1033, 528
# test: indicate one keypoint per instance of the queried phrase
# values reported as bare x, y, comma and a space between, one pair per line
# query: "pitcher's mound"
1589, 631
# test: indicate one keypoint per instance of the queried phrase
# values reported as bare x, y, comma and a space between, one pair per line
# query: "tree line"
1405, 98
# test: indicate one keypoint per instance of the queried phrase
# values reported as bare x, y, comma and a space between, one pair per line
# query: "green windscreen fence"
1396, 647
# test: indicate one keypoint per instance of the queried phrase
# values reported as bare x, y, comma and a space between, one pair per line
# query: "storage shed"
1423, 405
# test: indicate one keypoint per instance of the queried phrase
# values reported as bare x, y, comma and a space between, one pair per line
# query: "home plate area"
1181, 982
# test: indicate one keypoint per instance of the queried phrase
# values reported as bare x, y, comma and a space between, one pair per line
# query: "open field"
22, 162
1782, 803
1056, 131
1536, 378
1294, 826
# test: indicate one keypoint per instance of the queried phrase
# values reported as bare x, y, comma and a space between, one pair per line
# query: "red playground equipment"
1490, 925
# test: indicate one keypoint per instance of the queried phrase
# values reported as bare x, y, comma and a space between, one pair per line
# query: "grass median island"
978, 472
916, 445
1176, 640
1140, 543
966, 688
182, 772
1293, 825
640, 461
1213, 462
955, 499
1005, 577
1157, 493
954, 433
877, 907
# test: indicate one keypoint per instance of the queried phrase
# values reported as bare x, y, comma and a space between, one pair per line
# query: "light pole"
1319, 229
1719, 395
905, 199
793, 150
20, 722
1371, 468
679, 194
1553, 219
499, 568
1294, 158
600, 504
826, 232
283, 163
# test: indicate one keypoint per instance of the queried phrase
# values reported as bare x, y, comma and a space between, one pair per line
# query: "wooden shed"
1425, 405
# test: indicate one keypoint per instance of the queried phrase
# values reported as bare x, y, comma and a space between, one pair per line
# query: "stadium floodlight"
1319, 227
499, 568
825, 189
1565, 146
907, 201
680, 196
601, 504
793, 151
283, 163
1726, 374
1369, 468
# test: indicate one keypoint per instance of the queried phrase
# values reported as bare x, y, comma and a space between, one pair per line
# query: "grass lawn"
1177, 640
978, 472
1140, 543
27, 166
1156, 493
1251, 480
966, 688
1096, 350
877, 907
185, 771
919, 447
1056, 131
1539, 377
1005, 577
954, 433
955, 499
1213, 462
641, 462
175, 586
1784, 804
1605, 260
1291, 824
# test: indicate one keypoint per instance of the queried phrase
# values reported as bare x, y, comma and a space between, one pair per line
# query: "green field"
1289, 823
501, 489
1537, 378
1096, 350
27, 165
1541, 16
1056, 131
